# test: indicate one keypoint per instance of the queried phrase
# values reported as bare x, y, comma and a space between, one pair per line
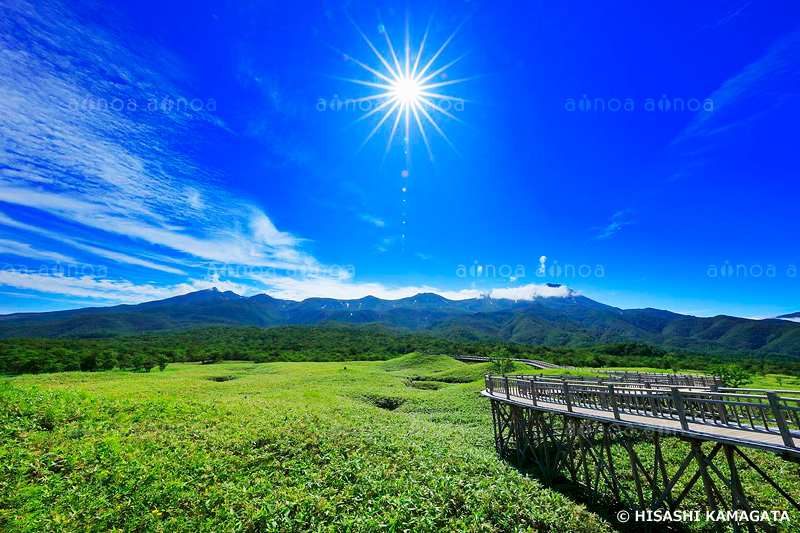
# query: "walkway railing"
541, 365
758, 411
693, 380
646, 378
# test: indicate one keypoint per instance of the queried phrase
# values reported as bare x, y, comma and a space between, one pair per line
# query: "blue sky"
146, 146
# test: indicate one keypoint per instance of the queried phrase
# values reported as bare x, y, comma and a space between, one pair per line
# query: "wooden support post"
534, 391
637, 480
496, 425
783, 427
677, 399
508, 389
659, 467
649, 387
567, 399
768, 479
723, 414
738, 498
708, 484
613, 400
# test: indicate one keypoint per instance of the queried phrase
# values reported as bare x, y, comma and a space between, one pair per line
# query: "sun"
412, 93
407, 91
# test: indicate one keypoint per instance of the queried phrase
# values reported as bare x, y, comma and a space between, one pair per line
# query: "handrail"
601, 381
758, 411
626, 375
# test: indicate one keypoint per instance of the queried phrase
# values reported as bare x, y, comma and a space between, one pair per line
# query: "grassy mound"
422, 364
468, 373
430, 367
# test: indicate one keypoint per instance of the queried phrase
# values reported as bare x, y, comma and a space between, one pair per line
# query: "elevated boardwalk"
699, 380
567, 427
756, 418
541, 365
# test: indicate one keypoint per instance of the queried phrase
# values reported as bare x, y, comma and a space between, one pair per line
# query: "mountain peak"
262, 296
428, 297
213, 293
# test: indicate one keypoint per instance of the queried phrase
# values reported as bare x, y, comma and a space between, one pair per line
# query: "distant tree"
501, 361
733, 375
136, 362
89, 362
211, 357
163, 360
149, 363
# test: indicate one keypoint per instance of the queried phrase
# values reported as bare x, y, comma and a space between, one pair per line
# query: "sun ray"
451, 82
438, 129
359, 63
440, 70
371, 97
439, 51
421, 46
422, 131
394, 129
372, 46
366, 83
440, 109
384, 105
443, 96
392, 52
408, 49
379, 124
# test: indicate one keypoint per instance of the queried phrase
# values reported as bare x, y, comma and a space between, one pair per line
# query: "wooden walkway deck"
606, 437
766, 420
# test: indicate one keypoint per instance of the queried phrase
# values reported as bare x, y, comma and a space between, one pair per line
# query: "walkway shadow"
606, 508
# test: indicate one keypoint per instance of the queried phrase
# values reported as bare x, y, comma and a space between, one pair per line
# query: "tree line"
328, 343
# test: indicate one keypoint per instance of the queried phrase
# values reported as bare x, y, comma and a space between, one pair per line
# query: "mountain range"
572, 320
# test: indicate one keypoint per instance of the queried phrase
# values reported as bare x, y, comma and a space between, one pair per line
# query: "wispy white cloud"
762, 89
385, 244
616, 222
68, 153
375, 221
94, 250
21, 249
735, 13
109, 291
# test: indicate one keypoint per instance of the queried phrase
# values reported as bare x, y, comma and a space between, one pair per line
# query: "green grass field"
400, 445
271, 447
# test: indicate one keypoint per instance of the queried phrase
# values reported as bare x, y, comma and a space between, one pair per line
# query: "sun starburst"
411, 93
